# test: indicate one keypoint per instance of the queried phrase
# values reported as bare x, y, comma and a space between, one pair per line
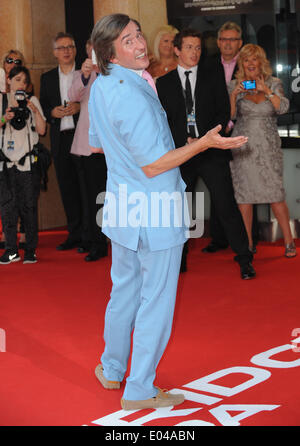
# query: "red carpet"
52, 314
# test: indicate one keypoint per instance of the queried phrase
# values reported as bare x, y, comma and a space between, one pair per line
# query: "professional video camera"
21, 112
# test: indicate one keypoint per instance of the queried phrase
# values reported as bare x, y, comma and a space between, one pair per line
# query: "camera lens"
21, 112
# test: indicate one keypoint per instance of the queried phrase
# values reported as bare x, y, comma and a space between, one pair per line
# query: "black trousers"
216, 174
217, 232
19, 197
95, 175
84, 197
69, 184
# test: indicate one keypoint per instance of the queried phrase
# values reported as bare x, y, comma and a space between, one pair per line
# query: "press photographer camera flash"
21, 112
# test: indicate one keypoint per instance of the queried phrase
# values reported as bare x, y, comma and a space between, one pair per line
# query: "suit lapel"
179, 91
143, 82
197, 92
56, 87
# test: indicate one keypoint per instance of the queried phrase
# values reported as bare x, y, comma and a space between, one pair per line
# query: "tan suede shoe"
162, 399
105, 383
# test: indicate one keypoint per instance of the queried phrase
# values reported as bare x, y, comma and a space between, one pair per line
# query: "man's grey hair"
230, 26
105, 32
62, 35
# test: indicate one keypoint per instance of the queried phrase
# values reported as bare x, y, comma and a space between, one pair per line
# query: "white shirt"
65, 82
193, 79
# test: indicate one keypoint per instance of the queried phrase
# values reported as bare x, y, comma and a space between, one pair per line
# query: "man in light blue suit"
129, 124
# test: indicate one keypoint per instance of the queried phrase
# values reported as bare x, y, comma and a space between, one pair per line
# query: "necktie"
147, 76
188, 93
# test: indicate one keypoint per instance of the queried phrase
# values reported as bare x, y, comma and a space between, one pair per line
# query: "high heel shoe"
290, 250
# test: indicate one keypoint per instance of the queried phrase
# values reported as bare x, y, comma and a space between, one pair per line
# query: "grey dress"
257, 167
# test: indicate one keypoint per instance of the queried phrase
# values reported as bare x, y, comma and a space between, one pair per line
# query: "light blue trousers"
142, 299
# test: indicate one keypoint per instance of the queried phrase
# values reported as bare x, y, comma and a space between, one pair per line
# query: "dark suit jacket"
212, 106
218, 59
49, 99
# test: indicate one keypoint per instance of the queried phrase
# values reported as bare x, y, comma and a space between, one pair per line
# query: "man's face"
131, 48
229, 43
64, 51
190, 52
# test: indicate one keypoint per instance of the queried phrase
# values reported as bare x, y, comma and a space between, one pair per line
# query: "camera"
249, 85
21, 112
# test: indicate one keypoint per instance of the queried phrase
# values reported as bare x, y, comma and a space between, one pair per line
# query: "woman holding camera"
257, 167
12, 58
21, 124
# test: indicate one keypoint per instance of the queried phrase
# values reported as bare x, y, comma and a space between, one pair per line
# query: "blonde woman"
163, 49
11, 59
257, 168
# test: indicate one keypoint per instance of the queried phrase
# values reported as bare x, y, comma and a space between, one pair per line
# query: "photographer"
11, 59
20, 127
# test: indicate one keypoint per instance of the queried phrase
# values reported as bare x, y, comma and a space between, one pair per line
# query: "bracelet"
268, 96
3, 120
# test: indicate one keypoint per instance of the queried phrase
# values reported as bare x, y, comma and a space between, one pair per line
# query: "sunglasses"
10, 60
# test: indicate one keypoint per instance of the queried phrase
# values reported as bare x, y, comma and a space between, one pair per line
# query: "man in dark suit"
195, 99
229, 43
62, 115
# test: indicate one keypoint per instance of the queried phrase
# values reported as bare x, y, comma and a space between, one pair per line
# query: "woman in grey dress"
257, 167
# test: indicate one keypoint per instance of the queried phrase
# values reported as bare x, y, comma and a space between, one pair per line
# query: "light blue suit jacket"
127, 120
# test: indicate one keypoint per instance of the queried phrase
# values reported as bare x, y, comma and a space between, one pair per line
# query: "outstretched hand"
215, 140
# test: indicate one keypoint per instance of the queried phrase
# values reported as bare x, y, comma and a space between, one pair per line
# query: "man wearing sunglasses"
62, 115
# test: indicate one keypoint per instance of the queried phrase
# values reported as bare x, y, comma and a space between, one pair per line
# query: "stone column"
152, 14
105, 7
29, 26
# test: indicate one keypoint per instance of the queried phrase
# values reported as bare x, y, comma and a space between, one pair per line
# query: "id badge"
191, 118
10, 145
191, 121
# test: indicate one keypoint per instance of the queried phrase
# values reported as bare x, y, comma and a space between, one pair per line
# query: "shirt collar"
233, 61
138, 72
61, 72
182, 70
